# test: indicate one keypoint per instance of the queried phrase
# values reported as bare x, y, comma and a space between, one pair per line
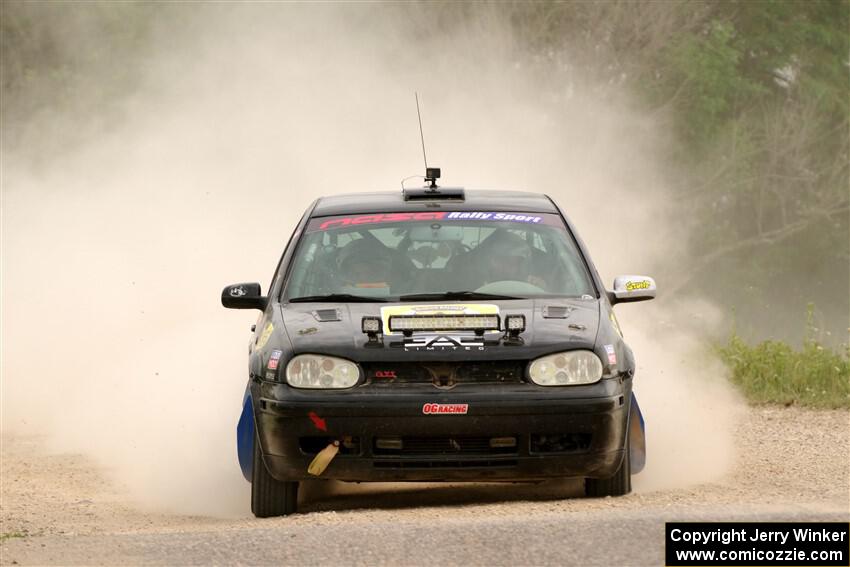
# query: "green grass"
9, 535
774, 372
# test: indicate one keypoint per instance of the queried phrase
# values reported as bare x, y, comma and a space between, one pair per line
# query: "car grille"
445, 374
455, 464
444, 446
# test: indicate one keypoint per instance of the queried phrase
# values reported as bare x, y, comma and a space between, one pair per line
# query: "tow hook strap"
323, 459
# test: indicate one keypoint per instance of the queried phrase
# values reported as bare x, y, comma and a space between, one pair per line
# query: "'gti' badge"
385, 374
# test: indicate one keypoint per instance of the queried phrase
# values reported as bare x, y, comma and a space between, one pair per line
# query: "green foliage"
745, 54
774, 372
706, 72
758, 94
11, 535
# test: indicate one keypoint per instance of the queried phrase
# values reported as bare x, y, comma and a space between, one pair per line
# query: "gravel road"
792, 464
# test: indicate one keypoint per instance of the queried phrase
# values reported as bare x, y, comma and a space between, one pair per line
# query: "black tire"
269, 496
617, 485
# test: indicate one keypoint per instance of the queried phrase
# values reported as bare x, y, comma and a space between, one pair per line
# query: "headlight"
566, 369
316, 371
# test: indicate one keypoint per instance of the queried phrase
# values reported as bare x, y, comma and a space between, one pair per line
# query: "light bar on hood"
410, 323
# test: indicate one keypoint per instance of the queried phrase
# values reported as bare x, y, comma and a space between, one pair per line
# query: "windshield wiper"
337, 297
455, 295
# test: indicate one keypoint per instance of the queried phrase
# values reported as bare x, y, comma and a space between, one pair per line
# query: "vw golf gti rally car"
432, 335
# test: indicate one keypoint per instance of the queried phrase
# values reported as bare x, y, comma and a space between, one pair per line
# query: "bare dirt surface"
792, 464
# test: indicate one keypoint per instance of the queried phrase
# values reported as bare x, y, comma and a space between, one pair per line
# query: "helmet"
362, 262
509, 256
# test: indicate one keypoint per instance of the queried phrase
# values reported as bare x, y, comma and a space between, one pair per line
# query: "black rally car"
437, 334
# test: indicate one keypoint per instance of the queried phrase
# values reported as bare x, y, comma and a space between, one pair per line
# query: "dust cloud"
115, 251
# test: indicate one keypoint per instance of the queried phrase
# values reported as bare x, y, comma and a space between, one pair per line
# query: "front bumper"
589, 432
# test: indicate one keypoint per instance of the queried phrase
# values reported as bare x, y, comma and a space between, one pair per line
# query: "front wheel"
269, 496
617, 485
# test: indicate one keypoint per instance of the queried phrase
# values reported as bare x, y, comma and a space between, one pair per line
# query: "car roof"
393, 201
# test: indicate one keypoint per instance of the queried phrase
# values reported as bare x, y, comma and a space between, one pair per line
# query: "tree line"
754, 91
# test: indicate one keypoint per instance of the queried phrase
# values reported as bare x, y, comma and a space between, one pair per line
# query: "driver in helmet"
510, 258
363, 264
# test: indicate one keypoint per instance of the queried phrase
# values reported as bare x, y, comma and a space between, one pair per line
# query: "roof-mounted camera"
431, 191
432, 174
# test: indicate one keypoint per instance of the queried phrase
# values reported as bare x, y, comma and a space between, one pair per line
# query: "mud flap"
637, 437
245, 436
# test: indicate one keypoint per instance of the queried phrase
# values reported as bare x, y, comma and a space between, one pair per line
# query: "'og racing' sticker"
430, 409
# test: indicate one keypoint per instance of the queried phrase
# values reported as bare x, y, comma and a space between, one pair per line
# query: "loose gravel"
792, 463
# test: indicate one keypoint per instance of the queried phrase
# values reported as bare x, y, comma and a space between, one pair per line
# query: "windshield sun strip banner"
329, 223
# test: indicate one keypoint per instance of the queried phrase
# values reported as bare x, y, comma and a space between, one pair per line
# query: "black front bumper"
293, 425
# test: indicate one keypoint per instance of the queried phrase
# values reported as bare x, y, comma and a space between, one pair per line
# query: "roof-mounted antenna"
432, 174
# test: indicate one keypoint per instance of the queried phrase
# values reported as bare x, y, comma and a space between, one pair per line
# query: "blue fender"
637, 437
245, 436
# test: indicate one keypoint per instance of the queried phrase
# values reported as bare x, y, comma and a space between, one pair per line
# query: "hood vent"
556, 312
327, 315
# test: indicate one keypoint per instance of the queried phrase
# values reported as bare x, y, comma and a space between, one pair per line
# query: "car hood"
335, 329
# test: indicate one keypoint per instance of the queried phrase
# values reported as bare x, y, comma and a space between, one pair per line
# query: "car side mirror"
633, 288
243, 296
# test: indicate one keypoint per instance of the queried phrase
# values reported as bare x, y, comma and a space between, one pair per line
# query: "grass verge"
10, 535
774, 372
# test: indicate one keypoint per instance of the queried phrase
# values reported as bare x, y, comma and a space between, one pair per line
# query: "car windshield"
430, 255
